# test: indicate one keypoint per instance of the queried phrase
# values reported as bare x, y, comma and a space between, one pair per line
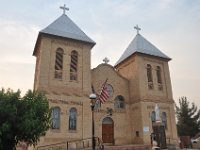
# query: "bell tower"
63, 72
147, 70
62, 53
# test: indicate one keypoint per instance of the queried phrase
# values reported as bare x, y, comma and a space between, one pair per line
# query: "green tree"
188, 118
22, 119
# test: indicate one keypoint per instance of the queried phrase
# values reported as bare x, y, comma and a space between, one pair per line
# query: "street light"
92, 104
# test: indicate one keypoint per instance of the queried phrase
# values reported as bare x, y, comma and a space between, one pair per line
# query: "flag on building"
103, 96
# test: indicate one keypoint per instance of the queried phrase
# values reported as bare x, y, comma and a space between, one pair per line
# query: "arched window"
73, 65
149, 73
55, 114
59, 63
149, 76
164, 119
159, 79
107, 120
119, 102
153, 117
72, 118
158, 72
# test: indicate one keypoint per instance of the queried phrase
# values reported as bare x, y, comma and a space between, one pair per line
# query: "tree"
188, 118
22, 119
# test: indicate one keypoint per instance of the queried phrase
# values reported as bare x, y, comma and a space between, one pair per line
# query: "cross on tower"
64, 8
105, 60
137, 28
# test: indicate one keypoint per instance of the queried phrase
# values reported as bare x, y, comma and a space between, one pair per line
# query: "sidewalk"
189, 149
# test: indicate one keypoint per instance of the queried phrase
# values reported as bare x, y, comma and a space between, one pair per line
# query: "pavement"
189, 149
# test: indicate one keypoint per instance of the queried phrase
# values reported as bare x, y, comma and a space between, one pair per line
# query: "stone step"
124, 147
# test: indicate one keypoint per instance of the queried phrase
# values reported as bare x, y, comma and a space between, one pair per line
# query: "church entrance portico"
108, 130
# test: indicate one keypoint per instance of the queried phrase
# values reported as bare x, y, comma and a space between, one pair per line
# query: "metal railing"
72, 145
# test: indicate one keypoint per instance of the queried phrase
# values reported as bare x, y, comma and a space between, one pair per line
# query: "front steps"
64, 146
87, 145
124, 147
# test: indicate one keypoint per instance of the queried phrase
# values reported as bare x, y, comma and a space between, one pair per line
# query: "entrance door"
108, 130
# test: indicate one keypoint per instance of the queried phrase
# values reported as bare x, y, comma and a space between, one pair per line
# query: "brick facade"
132, 123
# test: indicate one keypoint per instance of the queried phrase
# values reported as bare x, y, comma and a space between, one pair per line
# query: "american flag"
103, 96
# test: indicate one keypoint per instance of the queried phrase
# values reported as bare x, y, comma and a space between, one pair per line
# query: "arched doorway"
108, 130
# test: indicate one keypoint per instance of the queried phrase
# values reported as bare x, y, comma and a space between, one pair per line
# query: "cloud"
16, 40
172, 26
17, 63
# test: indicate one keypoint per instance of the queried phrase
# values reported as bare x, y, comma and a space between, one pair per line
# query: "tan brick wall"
143, 99
128, 80
155, 93
121, 117
148, 107
129, 70
45, 68
64, 93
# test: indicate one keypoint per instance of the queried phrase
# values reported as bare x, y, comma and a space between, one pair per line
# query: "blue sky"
171, 25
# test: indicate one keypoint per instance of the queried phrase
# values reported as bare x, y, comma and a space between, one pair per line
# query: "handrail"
67, 142
51, 145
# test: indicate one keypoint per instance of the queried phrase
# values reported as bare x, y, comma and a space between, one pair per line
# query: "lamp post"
92, 104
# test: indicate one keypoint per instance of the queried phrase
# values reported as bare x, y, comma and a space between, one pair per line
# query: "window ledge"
55, 130
72, 131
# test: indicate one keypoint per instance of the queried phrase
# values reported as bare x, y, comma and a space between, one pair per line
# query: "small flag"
103, 96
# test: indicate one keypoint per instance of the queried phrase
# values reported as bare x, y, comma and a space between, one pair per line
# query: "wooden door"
108, 130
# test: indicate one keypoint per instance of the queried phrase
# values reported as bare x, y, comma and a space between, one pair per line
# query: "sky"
171, 25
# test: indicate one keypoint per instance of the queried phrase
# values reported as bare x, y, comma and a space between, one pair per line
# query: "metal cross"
137, 28
64, 8
105, 60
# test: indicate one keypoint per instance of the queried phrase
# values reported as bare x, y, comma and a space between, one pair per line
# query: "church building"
138, 82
